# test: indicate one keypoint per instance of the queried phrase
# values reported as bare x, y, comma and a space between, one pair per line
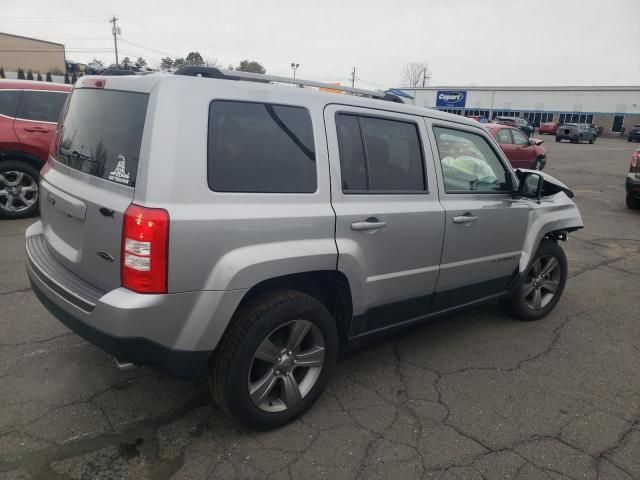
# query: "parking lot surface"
475, 395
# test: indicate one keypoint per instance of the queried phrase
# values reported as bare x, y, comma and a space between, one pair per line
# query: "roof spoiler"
220, 74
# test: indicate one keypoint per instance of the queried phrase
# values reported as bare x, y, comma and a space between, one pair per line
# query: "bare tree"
415, 74
211, 62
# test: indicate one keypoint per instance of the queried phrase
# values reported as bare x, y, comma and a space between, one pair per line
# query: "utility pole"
353, 77
115, 30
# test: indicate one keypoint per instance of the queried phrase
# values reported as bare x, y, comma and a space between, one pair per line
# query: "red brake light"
144, 261
635, 161
90, 82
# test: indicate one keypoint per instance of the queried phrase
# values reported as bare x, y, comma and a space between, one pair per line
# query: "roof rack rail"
221, 74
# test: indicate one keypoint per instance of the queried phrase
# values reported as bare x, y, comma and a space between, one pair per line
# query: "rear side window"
9, 102
379, 155
261, 148
41, 106
101, 133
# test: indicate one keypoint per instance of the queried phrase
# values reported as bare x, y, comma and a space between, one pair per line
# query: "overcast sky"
465, 42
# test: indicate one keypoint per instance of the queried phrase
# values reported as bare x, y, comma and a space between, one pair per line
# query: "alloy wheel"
542, 282
286, 366
18, 191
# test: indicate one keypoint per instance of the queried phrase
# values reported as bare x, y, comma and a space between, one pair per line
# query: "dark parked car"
29, 114
634, 134
633, 181
517, 122
576, 133
521, 151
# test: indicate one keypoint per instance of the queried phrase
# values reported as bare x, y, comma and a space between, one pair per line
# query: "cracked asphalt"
471, 396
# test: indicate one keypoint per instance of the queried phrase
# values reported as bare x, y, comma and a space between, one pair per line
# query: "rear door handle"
466, 218
371, 223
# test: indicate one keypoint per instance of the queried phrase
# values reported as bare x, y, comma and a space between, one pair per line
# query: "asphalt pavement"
475, 395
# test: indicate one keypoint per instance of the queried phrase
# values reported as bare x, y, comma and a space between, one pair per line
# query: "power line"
162, 52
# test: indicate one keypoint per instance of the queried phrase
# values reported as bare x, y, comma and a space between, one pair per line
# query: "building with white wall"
612, 108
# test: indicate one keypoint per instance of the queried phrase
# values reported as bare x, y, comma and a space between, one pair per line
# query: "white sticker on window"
120, 175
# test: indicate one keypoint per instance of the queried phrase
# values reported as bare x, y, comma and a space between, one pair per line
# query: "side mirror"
530, 185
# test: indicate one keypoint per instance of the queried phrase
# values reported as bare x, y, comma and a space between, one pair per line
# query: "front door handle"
37, 129
370, 223
466, 218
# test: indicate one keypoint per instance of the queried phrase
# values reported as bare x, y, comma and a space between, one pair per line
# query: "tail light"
144, 256
635, 162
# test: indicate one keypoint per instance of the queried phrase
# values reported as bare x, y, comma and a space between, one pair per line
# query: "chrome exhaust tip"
124, 366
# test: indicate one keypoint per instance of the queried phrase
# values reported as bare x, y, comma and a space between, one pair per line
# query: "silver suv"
228, 223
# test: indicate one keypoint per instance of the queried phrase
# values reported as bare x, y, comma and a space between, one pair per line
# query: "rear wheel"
633, 202
539, 164
557, 140
276, 359
592, 140
18, 189
543, 284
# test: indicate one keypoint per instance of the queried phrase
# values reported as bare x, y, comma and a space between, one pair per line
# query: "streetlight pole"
294, 67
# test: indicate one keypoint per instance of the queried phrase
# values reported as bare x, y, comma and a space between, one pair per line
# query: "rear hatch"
86, 190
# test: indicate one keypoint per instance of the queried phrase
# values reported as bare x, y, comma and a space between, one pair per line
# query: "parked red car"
548, 127
29, 114
521, 151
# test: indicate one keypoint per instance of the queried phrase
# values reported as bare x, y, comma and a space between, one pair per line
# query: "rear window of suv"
101, 133
260, 148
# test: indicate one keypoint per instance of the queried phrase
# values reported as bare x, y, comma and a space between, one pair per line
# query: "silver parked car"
224, 222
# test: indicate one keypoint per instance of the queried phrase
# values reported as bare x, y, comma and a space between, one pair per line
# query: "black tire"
517, 306
538, 165
230, 372
592, 140
7, 168
633, 202
557, 140
629, 139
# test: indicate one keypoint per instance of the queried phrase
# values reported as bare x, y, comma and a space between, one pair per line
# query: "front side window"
469, 164
504, 136
260, 148
9, 102
41, 106
379, 155
519, 138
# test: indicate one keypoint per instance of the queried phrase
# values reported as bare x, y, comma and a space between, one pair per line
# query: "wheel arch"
330, 287
27, 158
551, 220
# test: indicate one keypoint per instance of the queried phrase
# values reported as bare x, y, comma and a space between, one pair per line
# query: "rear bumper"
562, 136
632, 185
177, 332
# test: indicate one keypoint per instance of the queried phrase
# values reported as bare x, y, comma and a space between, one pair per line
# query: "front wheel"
275, 360
18, 189
543, 284
592, 140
